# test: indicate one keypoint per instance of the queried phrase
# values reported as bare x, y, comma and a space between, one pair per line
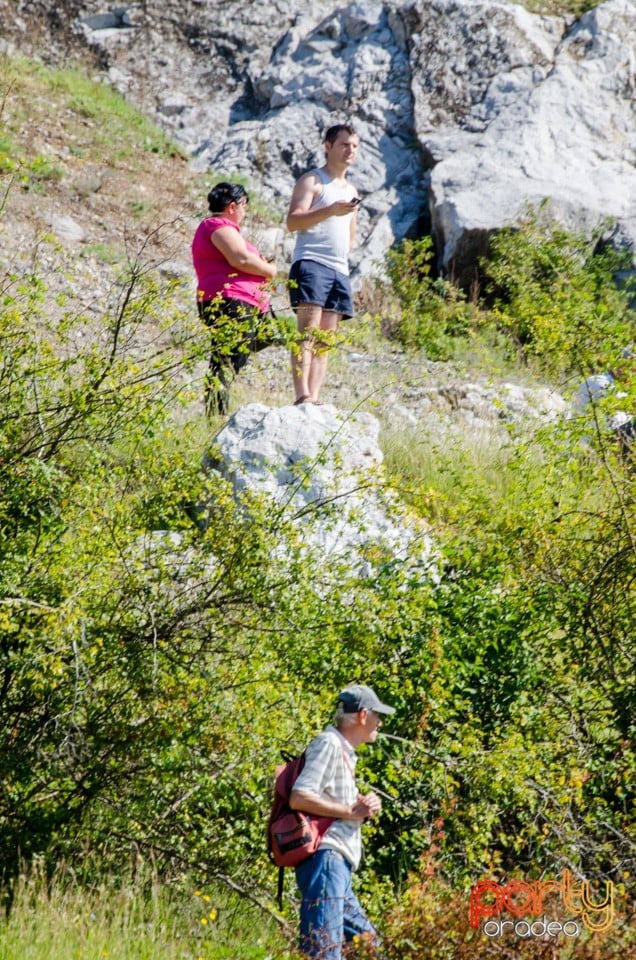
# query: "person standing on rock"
323, 212
330, 913
231, 295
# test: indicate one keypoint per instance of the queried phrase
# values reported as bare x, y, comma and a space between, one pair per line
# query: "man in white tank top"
323, 212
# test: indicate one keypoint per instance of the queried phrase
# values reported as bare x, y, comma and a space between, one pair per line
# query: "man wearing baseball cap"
330, 913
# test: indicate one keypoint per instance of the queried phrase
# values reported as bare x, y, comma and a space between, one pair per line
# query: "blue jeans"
329, 912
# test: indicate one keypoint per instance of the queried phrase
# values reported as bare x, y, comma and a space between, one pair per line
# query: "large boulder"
324, 469
513, 108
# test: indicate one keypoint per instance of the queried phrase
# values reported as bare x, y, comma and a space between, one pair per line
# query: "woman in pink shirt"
231, 294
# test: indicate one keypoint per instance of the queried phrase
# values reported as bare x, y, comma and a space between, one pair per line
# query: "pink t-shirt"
216, 276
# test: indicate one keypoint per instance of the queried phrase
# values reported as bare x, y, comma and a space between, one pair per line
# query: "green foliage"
134, 918
103, 252
127, 128
432, 922
119, 132
556, 298
559, 8
66, 502
130, 658
553, 299
151, 679
30, 174
151, 670
531, 696
431, 311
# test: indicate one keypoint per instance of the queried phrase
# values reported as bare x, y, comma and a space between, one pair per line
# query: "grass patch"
39, 95
560, 8
139, 208
104, 252
121, 128
141, 919
30, 174
430, 470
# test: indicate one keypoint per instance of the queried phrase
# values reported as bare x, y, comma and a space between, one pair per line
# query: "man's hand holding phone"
340, 208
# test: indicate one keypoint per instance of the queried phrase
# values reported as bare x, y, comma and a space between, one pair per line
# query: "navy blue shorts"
315, 283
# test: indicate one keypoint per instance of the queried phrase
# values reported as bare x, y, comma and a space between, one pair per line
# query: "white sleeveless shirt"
327, 242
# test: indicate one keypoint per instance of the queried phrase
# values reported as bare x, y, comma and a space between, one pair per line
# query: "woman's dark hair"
223, 194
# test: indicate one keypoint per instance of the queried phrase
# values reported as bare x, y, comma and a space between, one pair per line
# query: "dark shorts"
315, 283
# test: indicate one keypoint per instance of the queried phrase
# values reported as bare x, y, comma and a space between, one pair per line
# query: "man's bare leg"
320, 356
309, 359
309, 316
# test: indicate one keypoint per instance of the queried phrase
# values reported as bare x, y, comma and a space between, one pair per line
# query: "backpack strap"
281, 884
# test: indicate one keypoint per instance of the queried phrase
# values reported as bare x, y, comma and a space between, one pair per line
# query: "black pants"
626, 436
238, 329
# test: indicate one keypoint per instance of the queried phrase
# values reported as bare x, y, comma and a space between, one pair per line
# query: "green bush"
151, 680
531, 694
151, 671
132, 659
550, 293
556, 298
431, 311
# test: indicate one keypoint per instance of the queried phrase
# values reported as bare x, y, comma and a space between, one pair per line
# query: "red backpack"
292, 836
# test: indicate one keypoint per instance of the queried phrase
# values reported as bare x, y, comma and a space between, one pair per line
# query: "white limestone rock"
323, 467
469, 110
513, 108
66, 228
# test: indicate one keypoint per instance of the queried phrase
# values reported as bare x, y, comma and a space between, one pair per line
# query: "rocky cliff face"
468, 110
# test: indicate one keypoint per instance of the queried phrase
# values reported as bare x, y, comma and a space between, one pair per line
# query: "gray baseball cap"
358, 697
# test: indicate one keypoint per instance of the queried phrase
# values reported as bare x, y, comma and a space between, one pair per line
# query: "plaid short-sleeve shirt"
329, 773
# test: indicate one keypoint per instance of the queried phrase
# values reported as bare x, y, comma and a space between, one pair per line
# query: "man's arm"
299, 215
364, 807
352, 229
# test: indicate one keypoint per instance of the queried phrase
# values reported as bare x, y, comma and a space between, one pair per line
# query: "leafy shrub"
130, 658
151, 672
432, 923
555, 296
127, 672
431, 311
